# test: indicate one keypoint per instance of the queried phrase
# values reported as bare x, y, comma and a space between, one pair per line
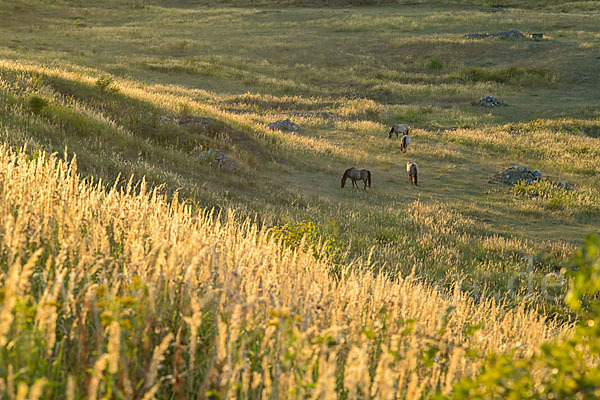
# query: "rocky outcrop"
489, 101
517, 174
521, 174
219, 159
225, 162
285, 125
511, 34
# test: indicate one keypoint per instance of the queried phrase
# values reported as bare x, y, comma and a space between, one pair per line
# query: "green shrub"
435, 64
322, 240
562, 370
385, 236
106, 84
37, 104
413, 114
555, 196
513, 75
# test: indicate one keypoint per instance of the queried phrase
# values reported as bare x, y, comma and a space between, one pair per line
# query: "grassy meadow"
127, 293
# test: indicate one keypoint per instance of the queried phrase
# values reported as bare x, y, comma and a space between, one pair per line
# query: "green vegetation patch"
512, 76
558, 196
563, 369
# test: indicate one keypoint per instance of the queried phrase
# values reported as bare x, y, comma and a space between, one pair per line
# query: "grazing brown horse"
412, 169
401, 128
357, 175
404, 143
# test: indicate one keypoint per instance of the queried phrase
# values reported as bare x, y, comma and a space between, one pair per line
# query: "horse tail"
416, 175
369, 178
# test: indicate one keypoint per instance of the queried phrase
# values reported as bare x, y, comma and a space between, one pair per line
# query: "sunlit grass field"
116, 295
93, 81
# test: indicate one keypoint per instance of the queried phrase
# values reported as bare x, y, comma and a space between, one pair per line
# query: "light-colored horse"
399, 129
404, 143
412, 170
357, 175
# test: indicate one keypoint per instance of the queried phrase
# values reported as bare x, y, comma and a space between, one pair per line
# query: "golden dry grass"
105, 293
115, 293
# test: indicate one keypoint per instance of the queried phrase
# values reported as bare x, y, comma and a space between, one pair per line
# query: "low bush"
513, 76
323, 240
561, 370
37, 104
558, 196
106, 84
435, 64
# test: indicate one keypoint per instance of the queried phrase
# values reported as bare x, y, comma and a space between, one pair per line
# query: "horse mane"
345, 176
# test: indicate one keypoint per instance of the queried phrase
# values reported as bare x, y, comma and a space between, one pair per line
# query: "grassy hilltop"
96, 81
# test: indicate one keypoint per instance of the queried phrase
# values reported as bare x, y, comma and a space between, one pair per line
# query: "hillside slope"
456, 227
111, 293
173, 285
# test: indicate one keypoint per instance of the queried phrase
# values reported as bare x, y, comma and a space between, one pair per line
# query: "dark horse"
412, 170
357, 175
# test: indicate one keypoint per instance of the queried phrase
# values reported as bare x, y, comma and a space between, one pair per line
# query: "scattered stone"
511, 34
537, 36
476, 35
225, 162
220, 159
284, 125
489, 101
517, 174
